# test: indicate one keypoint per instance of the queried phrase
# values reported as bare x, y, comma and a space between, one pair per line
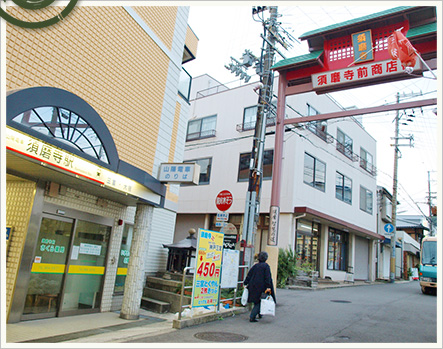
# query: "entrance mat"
147, 320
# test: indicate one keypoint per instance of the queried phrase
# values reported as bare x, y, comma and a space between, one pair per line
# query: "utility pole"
395, 184
252, 205
430, 197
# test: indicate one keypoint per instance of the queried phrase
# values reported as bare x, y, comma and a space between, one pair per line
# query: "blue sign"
389, 228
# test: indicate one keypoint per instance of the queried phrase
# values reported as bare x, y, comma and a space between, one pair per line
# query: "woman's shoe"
253, 320
260, 316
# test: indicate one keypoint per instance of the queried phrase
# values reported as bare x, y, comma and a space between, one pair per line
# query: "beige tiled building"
94, 105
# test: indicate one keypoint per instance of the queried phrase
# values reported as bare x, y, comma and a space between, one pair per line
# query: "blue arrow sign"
389, 228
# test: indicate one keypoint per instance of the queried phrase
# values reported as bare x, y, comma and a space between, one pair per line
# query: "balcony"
347, 152
368, 167
200, 135
247, 126
321, 134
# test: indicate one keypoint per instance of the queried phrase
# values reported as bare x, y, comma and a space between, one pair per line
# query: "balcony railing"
321, 134
200, 135
347, 152
368, 167
251, 125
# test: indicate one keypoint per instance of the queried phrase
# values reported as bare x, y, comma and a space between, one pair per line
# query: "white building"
328, 198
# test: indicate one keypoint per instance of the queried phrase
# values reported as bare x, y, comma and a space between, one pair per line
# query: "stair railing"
183, 291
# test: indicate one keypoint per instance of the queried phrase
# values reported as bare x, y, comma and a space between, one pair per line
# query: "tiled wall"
19, 201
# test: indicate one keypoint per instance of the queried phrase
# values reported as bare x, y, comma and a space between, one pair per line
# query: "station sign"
179, 173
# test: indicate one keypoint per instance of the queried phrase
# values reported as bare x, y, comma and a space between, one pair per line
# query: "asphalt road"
386, 313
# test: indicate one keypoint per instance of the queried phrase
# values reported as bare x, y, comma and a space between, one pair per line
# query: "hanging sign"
208, 268
179, 173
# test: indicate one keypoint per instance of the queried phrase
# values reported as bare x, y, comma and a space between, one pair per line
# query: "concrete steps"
160, 293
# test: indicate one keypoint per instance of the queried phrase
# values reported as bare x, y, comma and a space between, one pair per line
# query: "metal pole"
394, 197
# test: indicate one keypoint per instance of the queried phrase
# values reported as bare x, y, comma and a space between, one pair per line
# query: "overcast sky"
228, 30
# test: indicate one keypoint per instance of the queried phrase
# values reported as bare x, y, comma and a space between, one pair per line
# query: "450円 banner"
208, 268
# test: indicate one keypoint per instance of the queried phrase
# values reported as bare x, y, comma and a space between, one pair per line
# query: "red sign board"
224, 200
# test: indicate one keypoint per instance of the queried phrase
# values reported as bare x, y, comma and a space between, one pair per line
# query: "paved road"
386, 313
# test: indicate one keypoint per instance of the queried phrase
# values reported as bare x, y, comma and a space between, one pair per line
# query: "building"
93, 108
409, 233
328, 202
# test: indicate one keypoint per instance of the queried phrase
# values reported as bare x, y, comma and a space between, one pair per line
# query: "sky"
227, 30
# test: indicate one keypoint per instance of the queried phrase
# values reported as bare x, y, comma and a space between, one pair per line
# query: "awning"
337, 223
387, 241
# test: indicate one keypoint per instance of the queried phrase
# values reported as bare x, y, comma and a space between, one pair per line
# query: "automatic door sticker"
36, 5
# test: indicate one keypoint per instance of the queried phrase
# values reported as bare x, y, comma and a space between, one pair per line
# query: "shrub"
286, 266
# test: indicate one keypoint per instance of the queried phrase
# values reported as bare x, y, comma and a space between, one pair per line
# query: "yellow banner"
86, 269
122, 271
47, 268
208, 268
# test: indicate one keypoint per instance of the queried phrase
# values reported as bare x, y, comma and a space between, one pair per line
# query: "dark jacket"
258, 280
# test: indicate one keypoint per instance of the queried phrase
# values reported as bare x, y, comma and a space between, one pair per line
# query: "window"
365, 200
65, 126
344, 144
314, 172
343, 188
184, 85
205, 170
201, 128
307, 244
249, 118
366, 161
337, 250
243, 168
123, 259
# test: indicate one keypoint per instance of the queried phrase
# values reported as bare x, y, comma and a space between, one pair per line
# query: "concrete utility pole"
430, 197
252, 206
395, 185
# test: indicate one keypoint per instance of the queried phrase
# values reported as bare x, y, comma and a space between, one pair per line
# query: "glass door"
48, 268
86, 269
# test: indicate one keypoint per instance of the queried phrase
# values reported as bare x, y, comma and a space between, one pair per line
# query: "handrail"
182, 291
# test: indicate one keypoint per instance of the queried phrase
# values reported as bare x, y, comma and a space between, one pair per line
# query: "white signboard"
90, 249
179, 173
229, 275
222, 216
359, 72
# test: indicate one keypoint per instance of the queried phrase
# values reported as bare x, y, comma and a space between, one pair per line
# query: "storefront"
71, 206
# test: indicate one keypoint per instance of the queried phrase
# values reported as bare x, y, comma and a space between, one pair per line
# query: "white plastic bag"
244, 296
267, 306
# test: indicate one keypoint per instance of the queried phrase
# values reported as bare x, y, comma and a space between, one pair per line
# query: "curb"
201, 319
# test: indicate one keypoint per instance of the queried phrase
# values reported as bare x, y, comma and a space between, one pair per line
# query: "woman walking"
258, 281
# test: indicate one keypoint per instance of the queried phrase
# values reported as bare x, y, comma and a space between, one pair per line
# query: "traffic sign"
222, 216
389, 228
224, 200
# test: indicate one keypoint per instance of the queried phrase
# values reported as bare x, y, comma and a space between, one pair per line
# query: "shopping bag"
267, 306
244, 296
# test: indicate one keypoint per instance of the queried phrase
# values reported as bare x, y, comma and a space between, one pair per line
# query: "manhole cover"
340, 301
220, 337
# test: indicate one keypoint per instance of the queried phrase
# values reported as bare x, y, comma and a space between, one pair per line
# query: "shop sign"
179, 173
207, 276
61, 160
357, 73
362, 44
224, 200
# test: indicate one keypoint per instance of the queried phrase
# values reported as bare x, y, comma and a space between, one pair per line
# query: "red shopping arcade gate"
400, 43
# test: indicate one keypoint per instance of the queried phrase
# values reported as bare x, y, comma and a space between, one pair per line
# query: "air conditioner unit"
386, 210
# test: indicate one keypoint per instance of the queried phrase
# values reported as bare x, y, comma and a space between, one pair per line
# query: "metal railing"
234, 299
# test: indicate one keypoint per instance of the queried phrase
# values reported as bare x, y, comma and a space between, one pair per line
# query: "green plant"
409, 272
286, 266
188, 282
306, 267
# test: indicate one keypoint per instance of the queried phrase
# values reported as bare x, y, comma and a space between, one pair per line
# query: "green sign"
37, 5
